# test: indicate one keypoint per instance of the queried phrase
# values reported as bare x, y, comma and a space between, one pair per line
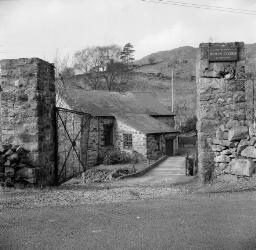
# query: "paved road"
187, 222
172, 170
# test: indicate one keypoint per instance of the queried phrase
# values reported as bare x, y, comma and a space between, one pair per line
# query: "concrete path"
172, 170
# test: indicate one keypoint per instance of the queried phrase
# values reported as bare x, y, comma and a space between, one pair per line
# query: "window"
127, 141
108, 134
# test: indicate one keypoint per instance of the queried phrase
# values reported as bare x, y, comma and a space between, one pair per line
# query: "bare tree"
95, 63
87, 61
63, 65
62, 70
108, 64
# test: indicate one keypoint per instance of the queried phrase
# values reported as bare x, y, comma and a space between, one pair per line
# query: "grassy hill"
181, 60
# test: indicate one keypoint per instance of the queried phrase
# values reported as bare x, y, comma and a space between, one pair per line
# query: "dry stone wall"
221, 109
235, 151
27, 114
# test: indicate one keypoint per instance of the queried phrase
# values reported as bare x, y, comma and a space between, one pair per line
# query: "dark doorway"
169, 147
108, 134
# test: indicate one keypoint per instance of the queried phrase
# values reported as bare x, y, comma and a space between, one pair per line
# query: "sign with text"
223, 54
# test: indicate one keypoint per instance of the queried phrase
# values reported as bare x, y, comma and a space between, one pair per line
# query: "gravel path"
77, 192
112, 192
64, 196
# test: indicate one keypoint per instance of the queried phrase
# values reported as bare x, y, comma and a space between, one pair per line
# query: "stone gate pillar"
221, 103
27, 112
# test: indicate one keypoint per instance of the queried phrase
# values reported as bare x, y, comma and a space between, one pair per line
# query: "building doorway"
169, 147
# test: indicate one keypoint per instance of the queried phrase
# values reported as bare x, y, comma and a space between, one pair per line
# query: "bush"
151, 60
128, 157
100, 158
112, 157
115, 156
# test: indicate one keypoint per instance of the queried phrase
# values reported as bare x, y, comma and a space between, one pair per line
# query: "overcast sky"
39, 28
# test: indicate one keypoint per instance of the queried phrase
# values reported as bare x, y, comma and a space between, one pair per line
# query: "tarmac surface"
217, 221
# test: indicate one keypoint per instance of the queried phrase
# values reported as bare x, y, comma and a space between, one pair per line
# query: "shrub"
112, 157
115, 156
100, 158
151, 60
127, 157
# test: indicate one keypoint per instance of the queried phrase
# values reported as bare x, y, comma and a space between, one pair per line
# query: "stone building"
132, 121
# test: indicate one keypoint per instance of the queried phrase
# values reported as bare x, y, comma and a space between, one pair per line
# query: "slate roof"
102, 103
145, 124
133, 108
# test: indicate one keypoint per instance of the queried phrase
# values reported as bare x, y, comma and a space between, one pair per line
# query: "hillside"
182, 60
156, 70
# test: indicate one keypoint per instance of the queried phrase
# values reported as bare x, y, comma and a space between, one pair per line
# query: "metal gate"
72, 132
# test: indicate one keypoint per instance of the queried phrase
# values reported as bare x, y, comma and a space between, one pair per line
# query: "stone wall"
234, 150
149, 146
221, 102
27, 112
139, 142
96, 143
